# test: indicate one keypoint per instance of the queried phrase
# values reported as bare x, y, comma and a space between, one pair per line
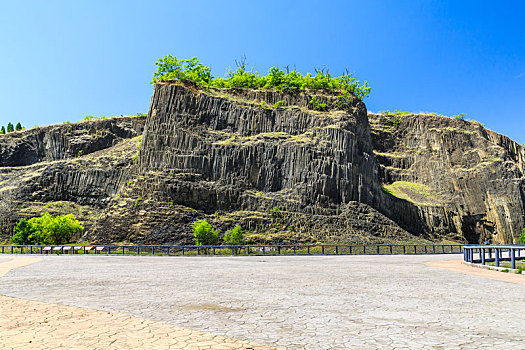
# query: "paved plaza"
294, 302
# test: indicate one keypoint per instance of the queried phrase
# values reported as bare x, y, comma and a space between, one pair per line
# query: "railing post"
122, 250
308, 250
336, 250
378, 246
350, 250
404, 249
12, 249
182, 250
415, 249
294, 249
168, 250
322, 250
233, 250
213, 251
433, 249
198, 250
364, 249
496, 257
512, 258
426, 249
138, 250
391, 249
279, 250
482, 253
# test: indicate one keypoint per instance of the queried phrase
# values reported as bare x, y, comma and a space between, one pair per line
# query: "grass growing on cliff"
412, 192
171, 68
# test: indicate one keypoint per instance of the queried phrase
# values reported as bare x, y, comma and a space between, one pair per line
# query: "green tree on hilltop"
10, 127
18, 127
2, 131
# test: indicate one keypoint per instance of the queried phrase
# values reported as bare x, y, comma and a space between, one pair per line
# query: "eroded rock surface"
273, 164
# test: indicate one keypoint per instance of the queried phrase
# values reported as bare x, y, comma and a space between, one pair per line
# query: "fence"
298, 249
494, 253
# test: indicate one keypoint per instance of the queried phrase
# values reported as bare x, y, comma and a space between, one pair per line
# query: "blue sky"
64, 60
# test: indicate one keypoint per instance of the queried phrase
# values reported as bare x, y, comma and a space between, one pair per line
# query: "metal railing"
192, 250
481, 254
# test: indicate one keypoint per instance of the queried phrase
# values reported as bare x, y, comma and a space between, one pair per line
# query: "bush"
10, 127
234, 236
18, 127
46, 230
2, 131
204, 234
521, 240
170, 68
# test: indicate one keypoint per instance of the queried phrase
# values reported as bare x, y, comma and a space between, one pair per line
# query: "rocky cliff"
274, 164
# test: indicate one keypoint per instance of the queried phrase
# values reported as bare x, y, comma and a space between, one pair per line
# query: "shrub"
23, 231
46, 229
279, 105
2, 131
235, 236
10, 127
521, 239
460, 116
318, 105
18, 127
204, 234
171, 68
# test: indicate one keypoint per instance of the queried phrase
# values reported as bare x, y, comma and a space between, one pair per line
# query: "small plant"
505, 270
396, 121
460, 116
318, 105
170, 205
2, 131
79, 153
521, 239
344, 101
264, 105
279, 105
137, 201
275, 210
204, 234
18, 127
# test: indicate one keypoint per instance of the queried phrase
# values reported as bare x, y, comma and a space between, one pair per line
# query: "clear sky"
64, 60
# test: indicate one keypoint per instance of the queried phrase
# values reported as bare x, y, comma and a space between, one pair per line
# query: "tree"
235, 236
204, 234
18, 127
23, 231
2, 131
521, 240
46, 229
10, 127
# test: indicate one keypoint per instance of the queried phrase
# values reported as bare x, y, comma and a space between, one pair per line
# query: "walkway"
335, 302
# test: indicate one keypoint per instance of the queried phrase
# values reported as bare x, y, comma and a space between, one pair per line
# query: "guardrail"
494, 253
298, 249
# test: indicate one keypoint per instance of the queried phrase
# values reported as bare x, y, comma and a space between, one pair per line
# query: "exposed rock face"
285, 171
473, 177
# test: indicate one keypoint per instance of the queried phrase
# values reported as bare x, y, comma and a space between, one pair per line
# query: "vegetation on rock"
521, 240
171, 68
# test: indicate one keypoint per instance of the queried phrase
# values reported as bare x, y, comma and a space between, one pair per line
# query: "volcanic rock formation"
273, 164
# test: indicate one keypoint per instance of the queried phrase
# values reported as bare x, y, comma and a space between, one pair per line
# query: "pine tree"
2, 131
10, 128
18, 127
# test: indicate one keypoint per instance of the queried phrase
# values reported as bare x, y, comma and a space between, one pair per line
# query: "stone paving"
336, 302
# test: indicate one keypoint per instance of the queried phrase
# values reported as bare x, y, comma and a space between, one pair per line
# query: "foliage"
318, 105
460, 116
521, 240
275, 210
18, 127
234, 236
171, 68
23, 231
46, 229
10, 127
396, 121
204, 234
279, 105
396, 112
2, 131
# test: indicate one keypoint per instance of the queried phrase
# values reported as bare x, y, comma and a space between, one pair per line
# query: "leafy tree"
46, 229
23, 231
521, 240
10, 127
18, 127
204, 234
2, 131
234, 236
